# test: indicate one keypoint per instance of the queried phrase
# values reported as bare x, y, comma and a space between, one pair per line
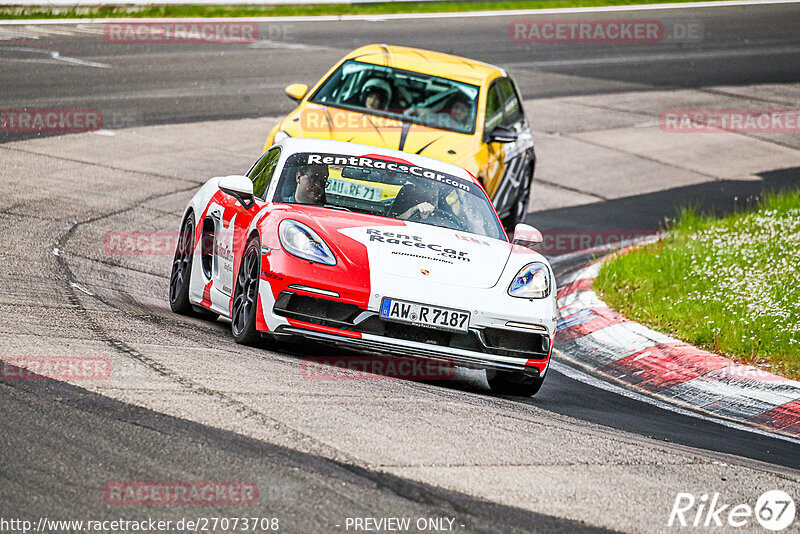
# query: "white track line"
655, 58
410, 16
54, 57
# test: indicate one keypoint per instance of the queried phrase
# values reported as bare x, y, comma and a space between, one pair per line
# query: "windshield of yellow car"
401, 95
387, 187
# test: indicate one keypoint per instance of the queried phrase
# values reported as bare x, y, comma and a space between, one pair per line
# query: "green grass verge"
300, 10
729, 285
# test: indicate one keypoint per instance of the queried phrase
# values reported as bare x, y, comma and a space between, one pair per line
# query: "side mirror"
501, 134
296, 91
527, 236
240, 188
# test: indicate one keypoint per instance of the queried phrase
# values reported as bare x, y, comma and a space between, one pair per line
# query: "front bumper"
349, 325
397, 347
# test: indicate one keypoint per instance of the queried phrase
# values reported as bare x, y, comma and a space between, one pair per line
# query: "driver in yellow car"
376, 94
460, 109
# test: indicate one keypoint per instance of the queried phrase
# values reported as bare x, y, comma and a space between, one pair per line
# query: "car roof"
427, 62
293, 145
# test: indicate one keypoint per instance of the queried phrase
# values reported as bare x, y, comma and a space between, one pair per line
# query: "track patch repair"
598, 337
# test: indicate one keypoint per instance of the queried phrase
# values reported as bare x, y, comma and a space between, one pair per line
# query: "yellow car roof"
427, 62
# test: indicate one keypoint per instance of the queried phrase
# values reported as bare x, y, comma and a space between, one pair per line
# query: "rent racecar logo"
389, 165
415, 241
774, 510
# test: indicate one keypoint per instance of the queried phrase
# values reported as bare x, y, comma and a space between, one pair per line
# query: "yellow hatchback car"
451, 108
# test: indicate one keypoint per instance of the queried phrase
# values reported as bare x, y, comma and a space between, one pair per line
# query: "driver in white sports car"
423, 199
311, 182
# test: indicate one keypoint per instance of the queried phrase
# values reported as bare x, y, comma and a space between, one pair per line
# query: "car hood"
322, 122
423, 252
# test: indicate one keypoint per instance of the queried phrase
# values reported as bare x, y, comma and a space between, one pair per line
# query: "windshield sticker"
370, 163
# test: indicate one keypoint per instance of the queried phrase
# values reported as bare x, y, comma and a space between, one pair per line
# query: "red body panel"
349, 277
326, 329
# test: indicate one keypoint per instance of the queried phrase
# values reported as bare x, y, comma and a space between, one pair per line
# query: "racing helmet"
378, 84
460, 98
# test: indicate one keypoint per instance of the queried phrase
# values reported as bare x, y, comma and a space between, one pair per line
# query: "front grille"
316, 310
326, 312
323, 308
417, 333
516, 341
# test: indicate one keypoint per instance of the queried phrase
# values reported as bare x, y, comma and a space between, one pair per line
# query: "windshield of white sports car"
387, 187
401, 95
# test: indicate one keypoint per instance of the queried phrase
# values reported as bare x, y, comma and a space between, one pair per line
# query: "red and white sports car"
373, 249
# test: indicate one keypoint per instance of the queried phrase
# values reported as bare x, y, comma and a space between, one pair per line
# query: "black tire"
520, 210
180, 276
245, 295
513, 383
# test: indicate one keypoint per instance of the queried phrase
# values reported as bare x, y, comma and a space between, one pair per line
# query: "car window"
512, 110
401, 95
494, 109
261, 173
387, 188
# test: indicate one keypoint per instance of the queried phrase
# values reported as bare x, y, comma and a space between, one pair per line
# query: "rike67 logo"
774, 510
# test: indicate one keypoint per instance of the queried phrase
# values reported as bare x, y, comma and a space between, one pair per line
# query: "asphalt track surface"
58, 440
162, 83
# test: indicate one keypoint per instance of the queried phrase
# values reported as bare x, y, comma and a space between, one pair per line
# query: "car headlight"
280, 135
301, 241
531, 282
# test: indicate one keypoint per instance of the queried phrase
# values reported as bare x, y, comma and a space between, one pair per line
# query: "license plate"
344, 188
424, 315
